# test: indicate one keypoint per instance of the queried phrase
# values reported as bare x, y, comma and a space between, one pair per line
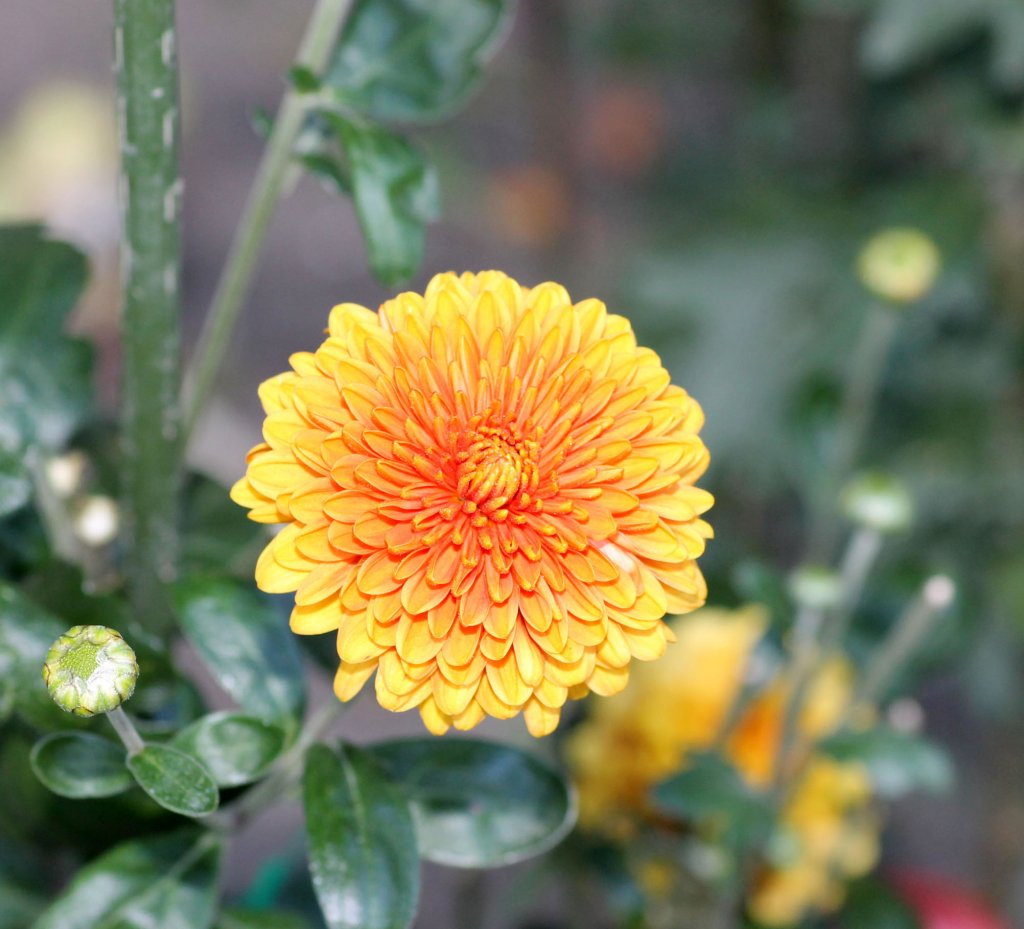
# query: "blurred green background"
710, 168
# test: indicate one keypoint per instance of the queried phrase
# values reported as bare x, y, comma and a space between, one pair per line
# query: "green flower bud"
90, 670
899, 265
815, 587
878, 501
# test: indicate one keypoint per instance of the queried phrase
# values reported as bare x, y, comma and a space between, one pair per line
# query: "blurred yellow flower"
489, 493
58, 162
899, 265
680, 705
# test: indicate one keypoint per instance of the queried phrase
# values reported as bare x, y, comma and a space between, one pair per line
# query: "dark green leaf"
871, 905
26, 634
235, 749
395, 193
710, 788
18, 906
168, 882
81, 764
415, 59
897, 762
362, 842
239, 918
242, 640
477, 804
40, 369
175, 780
217, 534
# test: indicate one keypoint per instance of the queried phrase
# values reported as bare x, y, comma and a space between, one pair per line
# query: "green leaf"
897, 762
217, 535
235, 749
871, 905
395, 193
239, 918
26, 634
169, 881
711, 788
175, 780
40, 369
242, 640
478, 804
415, 59
15, 480
362, 842
81, 764
18, 906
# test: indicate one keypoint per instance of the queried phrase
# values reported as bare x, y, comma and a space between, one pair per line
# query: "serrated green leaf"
897, 762
244, 643
395, 193
178, 782
415, 59
236, 749
478, 804
711, 788
168, 881
81, 764
362, 842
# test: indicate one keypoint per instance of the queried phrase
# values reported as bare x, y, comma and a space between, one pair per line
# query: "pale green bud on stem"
879, 502
899, 266
90, 670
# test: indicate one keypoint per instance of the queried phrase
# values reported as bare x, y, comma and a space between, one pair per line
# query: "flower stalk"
145, 60
317, 43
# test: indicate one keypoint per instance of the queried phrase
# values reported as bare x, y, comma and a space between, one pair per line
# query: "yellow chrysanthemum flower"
489, 493
678, 707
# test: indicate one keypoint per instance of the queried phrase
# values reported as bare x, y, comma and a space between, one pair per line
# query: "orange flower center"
495, 464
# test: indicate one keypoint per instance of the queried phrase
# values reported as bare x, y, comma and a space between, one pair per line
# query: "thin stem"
858, 560
860, 393
285, 772
903, 641
317, 44
806, 646
129, 735
145, 59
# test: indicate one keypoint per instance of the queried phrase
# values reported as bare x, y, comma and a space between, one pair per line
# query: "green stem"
145, 59
129, 735
904, 639
863, 382
317, 44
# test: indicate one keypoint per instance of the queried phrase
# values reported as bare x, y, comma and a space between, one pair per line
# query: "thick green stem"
145, 58
314, 53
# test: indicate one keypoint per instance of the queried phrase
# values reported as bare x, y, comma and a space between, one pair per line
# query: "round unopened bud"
90, 670
815, 587
878, 501
899, 265
66, 472
97, 520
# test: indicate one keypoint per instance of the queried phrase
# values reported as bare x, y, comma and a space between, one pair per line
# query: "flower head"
489, 494
90, 670
678, 707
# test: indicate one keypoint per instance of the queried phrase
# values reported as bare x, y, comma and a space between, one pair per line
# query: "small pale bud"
66, 472
90, 670
97, 521
815, 587
899, 266
878, 501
